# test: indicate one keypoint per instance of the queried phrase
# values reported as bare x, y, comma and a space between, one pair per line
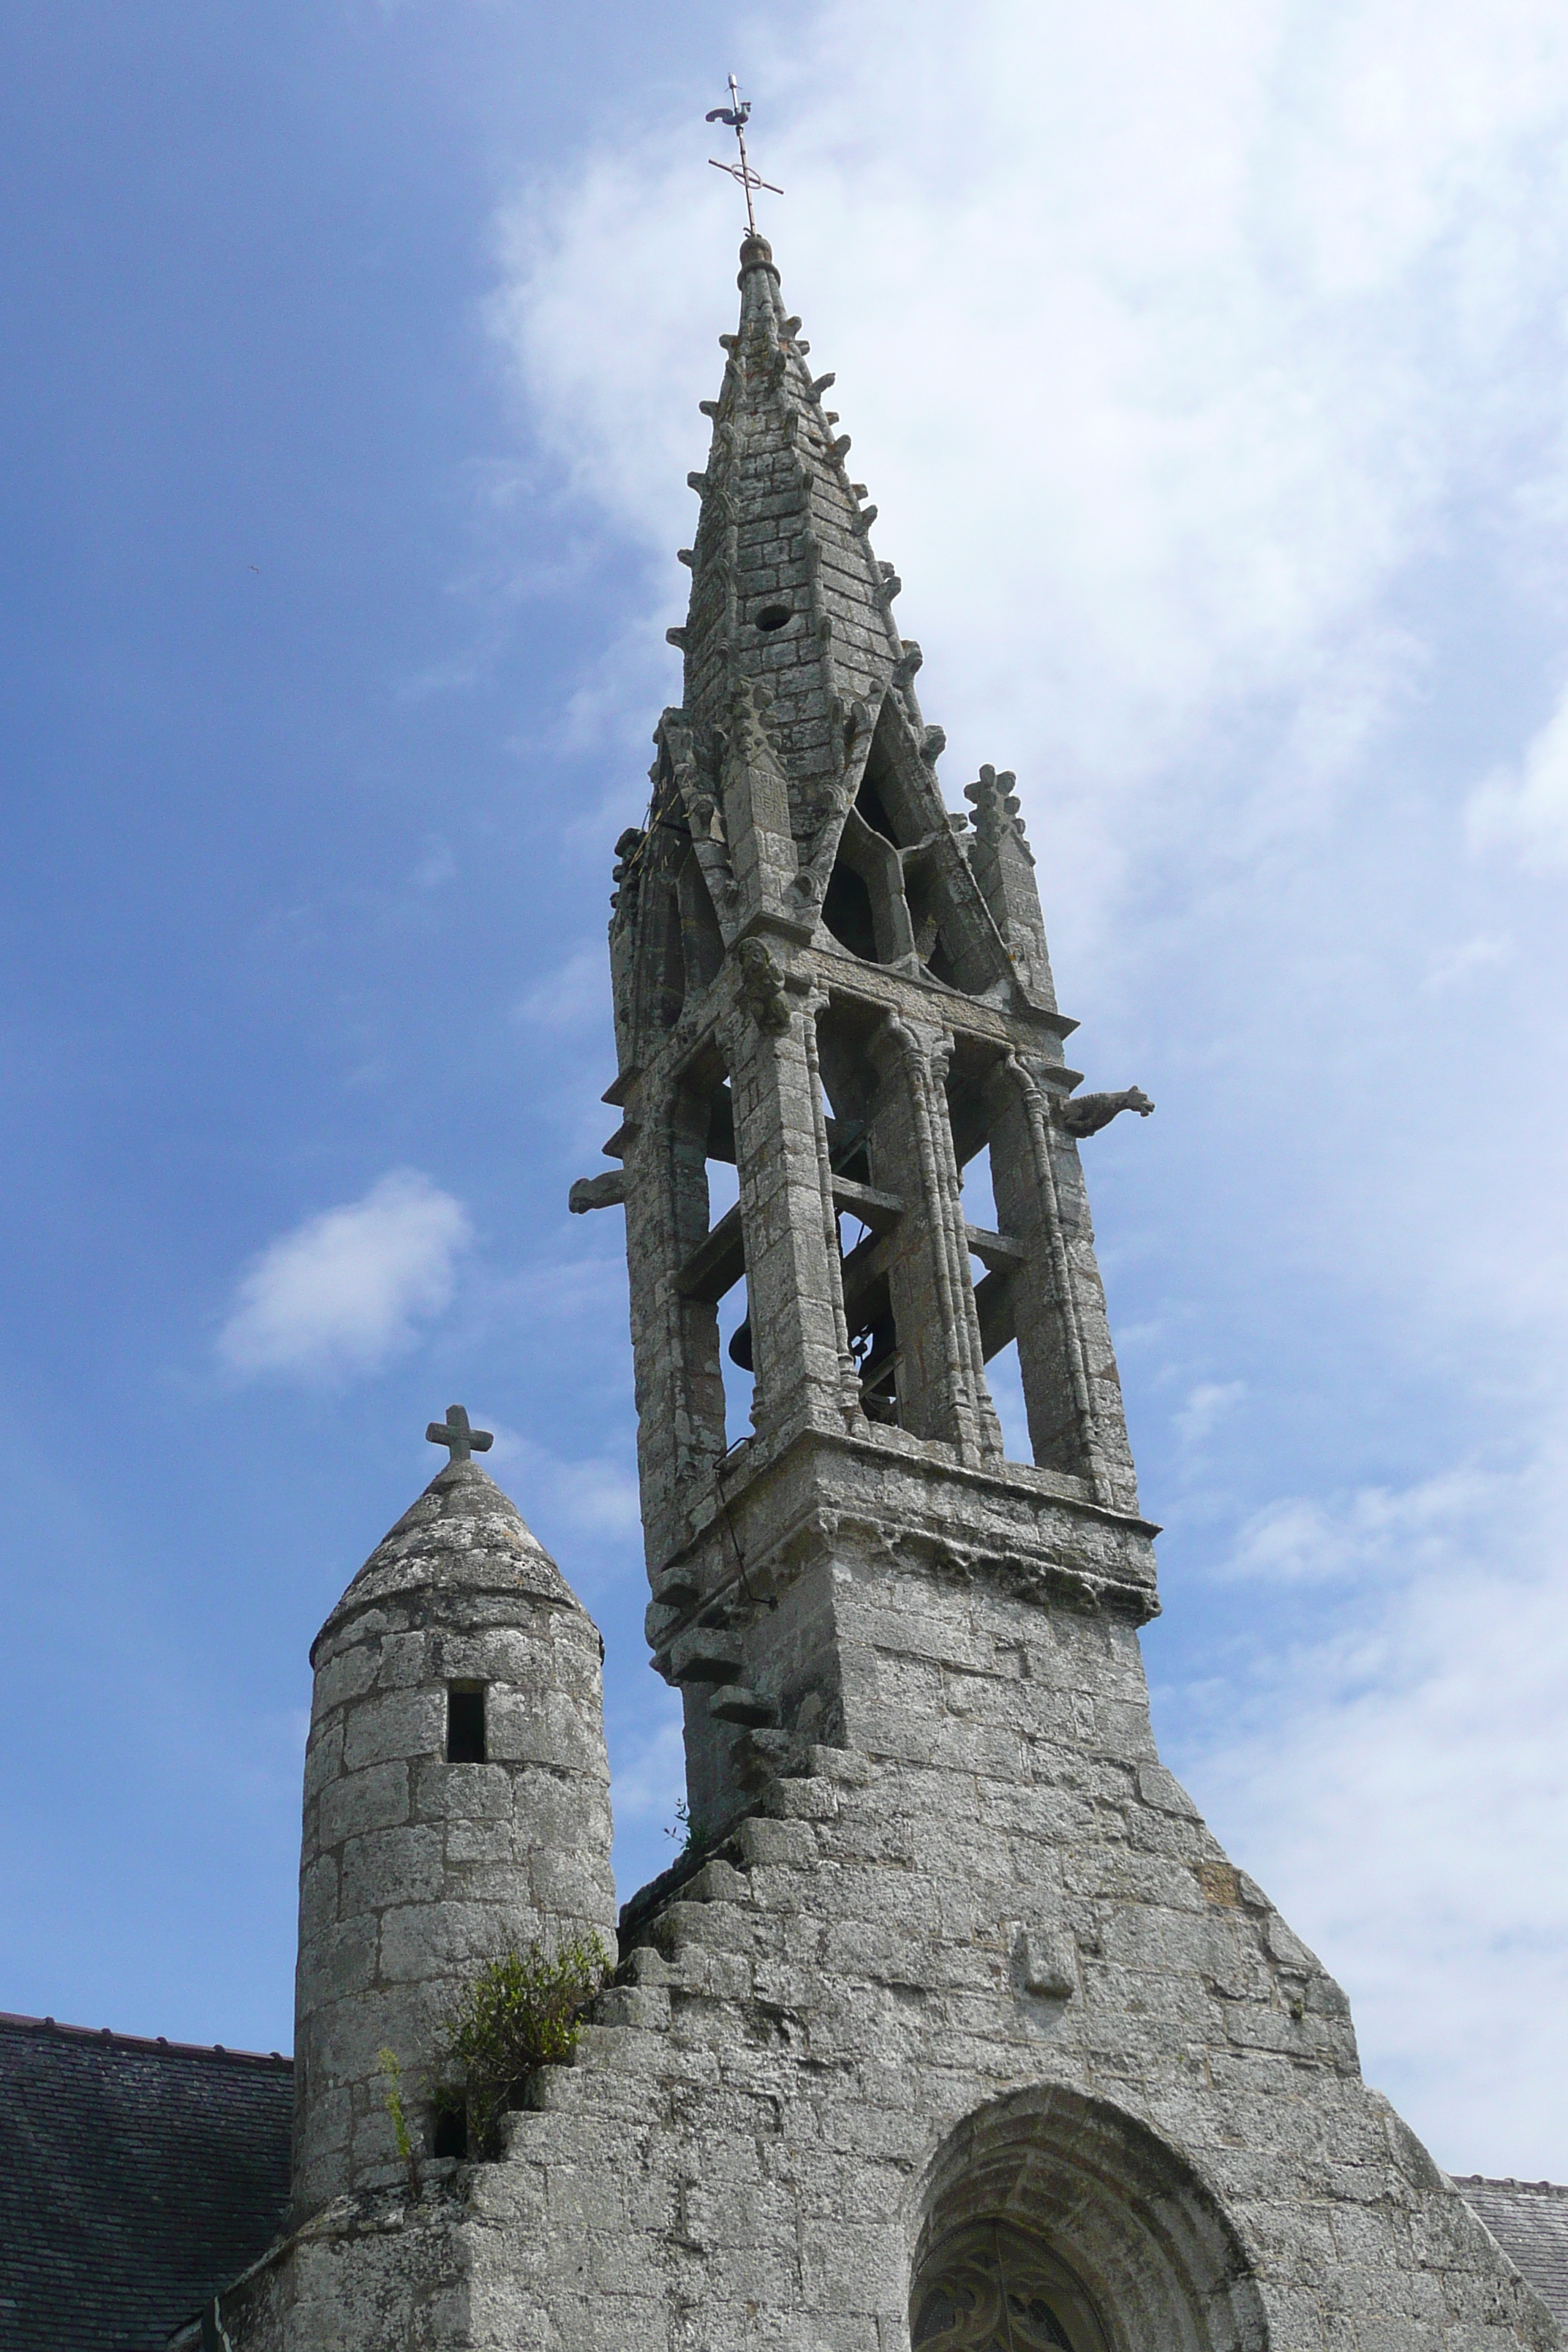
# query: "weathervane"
737, 114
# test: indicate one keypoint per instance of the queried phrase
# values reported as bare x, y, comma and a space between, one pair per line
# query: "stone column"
674, 1339
1071, 1390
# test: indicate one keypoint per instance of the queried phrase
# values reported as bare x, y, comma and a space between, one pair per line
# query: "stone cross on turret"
455, 1434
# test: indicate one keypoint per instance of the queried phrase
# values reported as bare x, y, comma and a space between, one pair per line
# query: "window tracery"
993, 2287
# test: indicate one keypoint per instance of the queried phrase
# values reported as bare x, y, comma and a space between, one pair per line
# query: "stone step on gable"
701, 1943
813, 1800
769, 1842
716, 1881
645, 2007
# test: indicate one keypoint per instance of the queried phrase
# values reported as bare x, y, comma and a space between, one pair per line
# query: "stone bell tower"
955, 2030
825, 977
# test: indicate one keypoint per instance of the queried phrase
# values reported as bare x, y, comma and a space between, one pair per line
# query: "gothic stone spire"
788, 597
798, 765
826, 978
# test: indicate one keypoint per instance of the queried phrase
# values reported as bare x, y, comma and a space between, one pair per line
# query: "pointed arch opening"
991, 1270
930, 920
1053, 2220
864, 905
1035, 1299
847, 913
898, 793
711, 1282
993, 2287
701, 941
901, 892
873, 807
708, 1224
852, 1086
997, 1251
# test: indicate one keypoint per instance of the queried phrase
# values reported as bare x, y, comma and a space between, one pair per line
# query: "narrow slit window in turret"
466, 1724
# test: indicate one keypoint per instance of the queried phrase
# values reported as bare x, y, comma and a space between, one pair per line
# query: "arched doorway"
1055, 2223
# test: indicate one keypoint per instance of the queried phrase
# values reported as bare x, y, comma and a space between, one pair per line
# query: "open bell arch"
1047, 2218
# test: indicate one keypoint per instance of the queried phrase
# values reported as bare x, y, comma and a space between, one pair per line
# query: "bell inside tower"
850, 1181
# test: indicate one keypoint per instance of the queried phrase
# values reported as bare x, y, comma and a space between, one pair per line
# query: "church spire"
785, 586
825, 980
791, 614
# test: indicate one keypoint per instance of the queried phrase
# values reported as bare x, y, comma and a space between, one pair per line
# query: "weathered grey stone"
1044, 1962
419, 1870
962, 2015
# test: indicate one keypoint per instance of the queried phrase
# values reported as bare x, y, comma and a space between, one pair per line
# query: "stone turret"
457, 1803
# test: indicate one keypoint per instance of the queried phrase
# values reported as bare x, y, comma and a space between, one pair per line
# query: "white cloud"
1484, 952
1430, 1719
347, 1289
1525, 809
650, 1776
1374, 1533
596, 1497
1196, 320
1207, 1404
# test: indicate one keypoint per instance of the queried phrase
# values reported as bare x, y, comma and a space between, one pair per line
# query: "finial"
737, 114
455, 1434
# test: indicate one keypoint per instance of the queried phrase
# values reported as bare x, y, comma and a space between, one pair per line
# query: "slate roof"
1529, 2219
136, 2178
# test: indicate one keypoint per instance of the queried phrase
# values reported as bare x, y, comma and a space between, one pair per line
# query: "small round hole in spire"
774, 616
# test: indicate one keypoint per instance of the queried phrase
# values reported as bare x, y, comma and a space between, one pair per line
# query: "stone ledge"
802, 1800
765, 1842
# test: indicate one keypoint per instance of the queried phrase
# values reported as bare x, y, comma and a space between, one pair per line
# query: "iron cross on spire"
737, 114
455, 1434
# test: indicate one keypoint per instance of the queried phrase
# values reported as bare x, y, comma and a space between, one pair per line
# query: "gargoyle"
1087, 1114
606, 1192
762, 986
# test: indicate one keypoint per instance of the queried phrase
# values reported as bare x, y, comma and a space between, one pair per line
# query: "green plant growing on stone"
522, 2011
387, 2061
691, 1840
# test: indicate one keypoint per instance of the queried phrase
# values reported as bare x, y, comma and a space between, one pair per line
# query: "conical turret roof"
462, 1534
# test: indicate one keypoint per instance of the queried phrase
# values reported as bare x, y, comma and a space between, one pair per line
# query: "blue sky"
1208, 377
